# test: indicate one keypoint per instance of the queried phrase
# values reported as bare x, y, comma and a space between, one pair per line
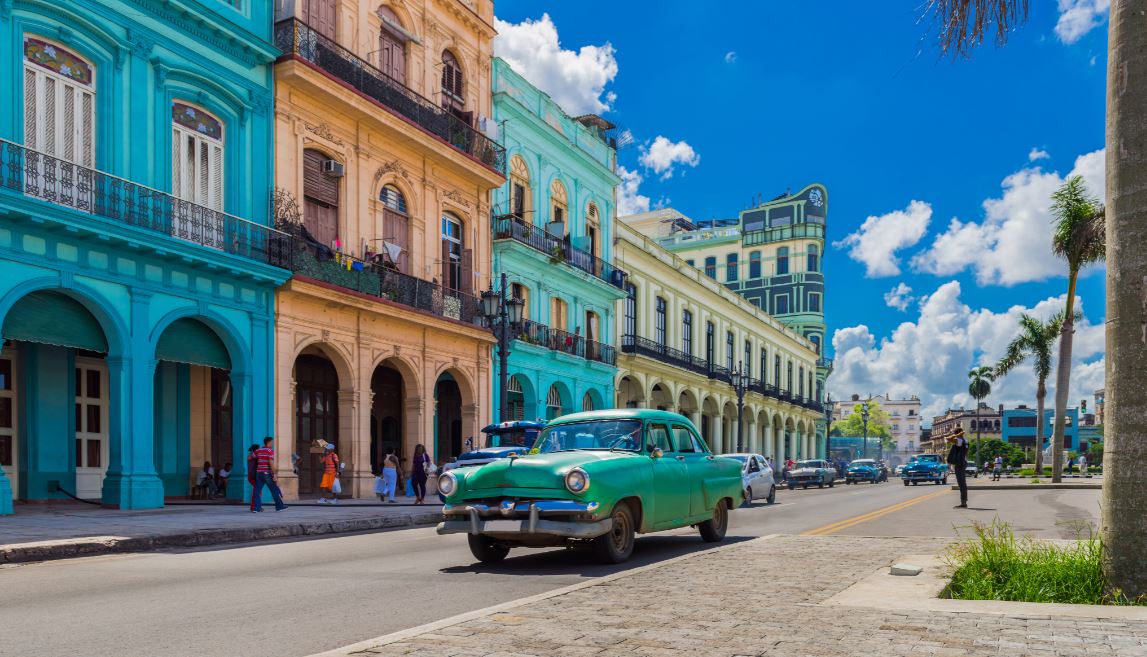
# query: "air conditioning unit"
333, 168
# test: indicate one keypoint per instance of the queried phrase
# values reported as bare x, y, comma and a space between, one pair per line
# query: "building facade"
138, 272
772, 254
383, 182
553, 241
1019, 427
684, 337
987, 423
905, 423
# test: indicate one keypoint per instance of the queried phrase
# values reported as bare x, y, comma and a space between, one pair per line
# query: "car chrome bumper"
512, 517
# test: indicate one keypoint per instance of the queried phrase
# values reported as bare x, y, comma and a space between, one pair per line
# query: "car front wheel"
485, 549
616, 545
906, 482
749, 496
713, 529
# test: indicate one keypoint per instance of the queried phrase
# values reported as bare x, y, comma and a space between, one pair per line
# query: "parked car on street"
758, 477
971, 470
899, 469
865, 470
502, 439
925, 467
812, 473
595, 478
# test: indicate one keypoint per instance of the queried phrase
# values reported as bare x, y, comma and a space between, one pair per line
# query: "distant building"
986, 422
1099, 405
1019, 427
904, 422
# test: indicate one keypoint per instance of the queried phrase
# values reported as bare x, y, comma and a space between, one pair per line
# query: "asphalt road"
296, 598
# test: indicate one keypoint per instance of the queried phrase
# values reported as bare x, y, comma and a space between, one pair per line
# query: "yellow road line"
832, 528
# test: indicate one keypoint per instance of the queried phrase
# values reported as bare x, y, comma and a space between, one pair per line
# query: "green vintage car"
594, 478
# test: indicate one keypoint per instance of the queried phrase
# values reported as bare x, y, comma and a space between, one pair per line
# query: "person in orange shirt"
330, 463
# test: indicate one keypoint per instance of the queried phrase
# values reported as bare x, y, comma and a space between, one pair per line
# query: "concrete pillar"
415, 426
354, 450
131, 481
718, 433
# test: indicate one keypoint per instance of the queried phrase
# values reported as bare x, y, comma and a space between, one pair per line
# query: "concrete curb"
71, 549
1063, 486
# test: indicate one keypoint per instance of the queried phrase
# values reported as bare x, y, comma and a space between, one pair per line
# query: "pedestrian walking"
1070, 465
252, 468
330, 461
958, 459
419, 473
1082, 464
265, 476
998, 468
389, 475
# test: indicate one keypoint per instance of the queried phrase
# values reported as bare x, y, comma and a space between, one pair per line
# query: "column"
717, 423
471, 425
131, 482
357, 479
243, 436
414, 426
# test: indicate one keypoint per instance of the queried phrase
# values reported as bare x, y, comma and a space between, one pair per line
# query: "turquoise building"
137, 271
553, 238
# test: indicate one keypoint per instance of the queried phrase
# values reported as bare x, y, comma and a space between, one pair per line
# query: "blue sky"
733, 99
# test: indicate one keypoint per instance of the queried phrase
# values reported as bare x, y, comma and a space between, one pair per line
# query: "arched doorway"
520, 395
659, 398
316, 416
629, 393
386, 414
592, 400
557, 401
710, 423
687, 405
447, 418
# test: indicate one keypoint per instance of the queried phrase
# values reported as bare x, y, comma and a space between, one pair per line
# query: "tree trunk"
1040, 396
1063, 380
1124, 506
976, 452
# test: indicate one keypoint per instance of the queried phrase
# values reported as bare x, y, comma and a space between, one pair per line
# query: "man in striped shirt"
265, 476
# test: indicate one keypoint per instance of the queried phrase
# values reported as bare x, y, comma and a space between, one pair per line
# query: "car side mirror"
656, 453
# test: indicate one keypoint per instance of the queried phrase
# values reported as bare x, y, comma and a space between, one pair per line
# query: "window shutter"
50, 123
215, 164
327, 18
31, 116
466, 285
395, 230
316, 184
446, 282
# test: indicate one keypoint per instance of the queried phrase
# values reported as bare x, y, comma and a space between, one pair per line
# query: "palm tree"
962, 26
1079, 239
979, 387
1034, 340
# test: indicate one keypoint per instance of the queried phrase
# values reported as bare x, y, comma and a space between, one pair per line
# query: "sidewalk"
41, 533
760, 597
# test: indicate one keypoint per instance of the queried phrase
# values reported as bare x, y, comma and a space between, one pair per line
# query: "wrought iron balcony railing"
566, 342
512, 226
119, 201
634, 344
294, 37
377, 281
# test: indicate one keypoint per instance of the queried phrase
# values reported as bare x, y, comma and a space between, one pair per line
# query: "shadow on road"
581, 561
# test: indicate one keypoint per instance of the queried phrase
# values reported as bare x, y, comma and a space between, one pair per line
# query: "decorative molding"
234, 43
395, 167
457, 197
261, 101
141, 44
324, 131
326, 335
5, 9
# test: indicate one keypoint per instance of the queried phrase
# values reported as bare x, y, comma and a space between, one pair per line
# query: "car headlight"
577, 481
447, 483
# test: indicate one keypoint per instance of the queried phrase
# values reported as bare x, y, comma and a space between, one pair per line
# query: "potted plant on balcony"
557, 254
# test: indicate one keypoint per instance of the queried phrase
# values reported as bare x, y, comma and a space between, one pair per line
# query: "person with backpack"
958, 459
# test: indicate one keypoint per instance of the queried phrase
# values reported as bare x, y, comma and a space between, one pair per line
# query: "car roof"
622, 414
511, 426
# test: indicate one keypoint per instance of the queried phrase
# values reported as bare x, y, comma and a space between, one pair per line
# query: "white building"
905, 422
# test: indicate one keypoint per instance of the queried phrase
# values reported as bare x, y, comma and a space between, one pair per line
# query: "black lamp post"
864, 418
505, 317
740, 382
829, 408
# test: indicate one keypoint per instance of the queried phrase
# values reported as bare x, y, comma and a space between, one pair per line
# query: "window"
687, 332
764, 373
657, 436
452, 86
320, 199
592, 227
755, 264
711, 267
782, 305
519, 188
395, 227
731, 268
630, 309
455, 265
815, 340
559, 317
777, 370
813, 258
790, 373
197, 156
659, 322
320, 15
685, 441
519, 291
748, 362
587, 402
553, 403
592, 326
810, 384
391, 45
710, 337
782, 260
689, 262
729, 349
814, 303
800, 382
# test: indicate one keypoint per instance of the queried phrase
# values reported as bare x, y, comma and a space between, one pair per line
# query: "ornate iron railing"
511, 226
377, 281
294, 37
634, 344
119, 201
566, 342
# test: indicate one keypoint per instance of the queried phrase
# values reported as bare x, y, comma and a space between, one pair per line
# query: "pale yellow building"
683, 335
384, 178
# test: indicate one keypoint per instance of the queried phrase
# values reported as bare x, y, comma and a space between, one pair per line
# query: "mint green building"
553, 238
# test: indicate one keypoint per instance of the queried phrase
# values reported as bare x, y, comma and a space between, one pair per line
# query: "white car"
757, 477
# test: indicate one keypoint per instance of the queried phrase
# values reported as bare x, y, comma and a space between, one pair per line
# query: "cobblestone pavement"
761, 597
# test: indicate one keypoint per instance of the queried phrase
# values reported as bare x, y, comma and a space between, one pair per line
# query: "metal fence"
566, 342
511, 226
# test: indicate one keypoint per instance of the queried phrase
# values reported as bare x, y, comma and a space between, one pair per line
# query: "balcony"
513, 227
567, 343
633, 344
117, 201
377, 281
297, 39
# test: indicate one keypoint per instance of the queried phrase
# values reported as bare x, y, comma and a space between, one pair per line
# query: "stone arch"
558, 393
334, 353
237, 348
687, 404
403, 366
630, 391
465, 383
595, 398
114, 326
661, 396
520, 384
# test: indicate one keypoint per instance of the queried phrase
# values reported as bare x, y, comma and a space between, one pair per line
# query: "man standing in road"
958, 459
265, 476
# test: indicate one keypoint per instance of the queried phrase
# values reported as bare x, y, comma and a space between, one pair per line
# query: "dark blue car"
502, 439
865, 470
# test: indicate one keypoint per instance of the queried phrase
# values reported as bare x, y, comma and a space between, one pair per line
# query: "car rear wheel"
749, 496
616, 545
792, 486
945, 481
713, 529
772, 498
485, 549
915, 482
832, 483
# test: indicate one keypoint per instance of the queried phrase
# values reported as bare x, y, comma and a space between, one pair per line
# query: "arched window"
196, 156
320, 199
587, 402
520, 189
515, 399
813, 258
59, 121
392, 45
553, 403
457, 260
452, 85
687, 332
659, 321
782, 260
395, 227
559, 209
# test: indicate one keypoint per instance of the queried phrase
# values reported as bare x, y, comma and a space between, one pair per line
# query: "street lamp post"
829, 408
505, 317
864, 418
740, 381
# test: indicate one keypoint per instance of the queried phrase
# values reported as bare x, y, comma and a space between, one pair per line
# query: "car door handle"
710, 457
680, 458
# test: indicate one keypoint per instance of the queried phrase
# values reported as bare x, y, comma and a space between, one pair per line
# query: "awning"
191, 341
54, 318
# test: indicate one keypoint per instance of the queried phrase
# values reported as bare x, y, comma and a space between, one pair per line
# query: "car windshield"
931, 458
593, 434
808, 464
863, 462
512, 438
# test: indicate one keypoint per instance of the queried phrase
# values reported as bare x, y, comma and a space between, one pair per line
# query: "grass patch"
995, 565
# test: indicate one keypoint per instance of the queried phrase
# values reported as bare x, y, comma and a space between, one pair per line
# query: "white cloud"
899, 297
1078, 17
629, 201
731, 57
931, 356
878, 239
1037, 154
575, 80
1013, 243
663, 155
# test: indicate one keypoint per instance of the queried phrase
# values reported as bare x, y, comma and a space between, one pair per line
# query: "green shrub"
995, 565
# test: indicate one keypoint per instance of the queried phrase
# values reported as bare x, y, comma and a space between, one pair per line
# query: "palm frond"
1079, 233
961, 25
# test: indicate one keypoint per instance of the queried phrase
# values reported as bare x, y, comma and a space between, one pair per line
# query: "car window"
657, 435
754, 466
762, 464
698, 446
683, 438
